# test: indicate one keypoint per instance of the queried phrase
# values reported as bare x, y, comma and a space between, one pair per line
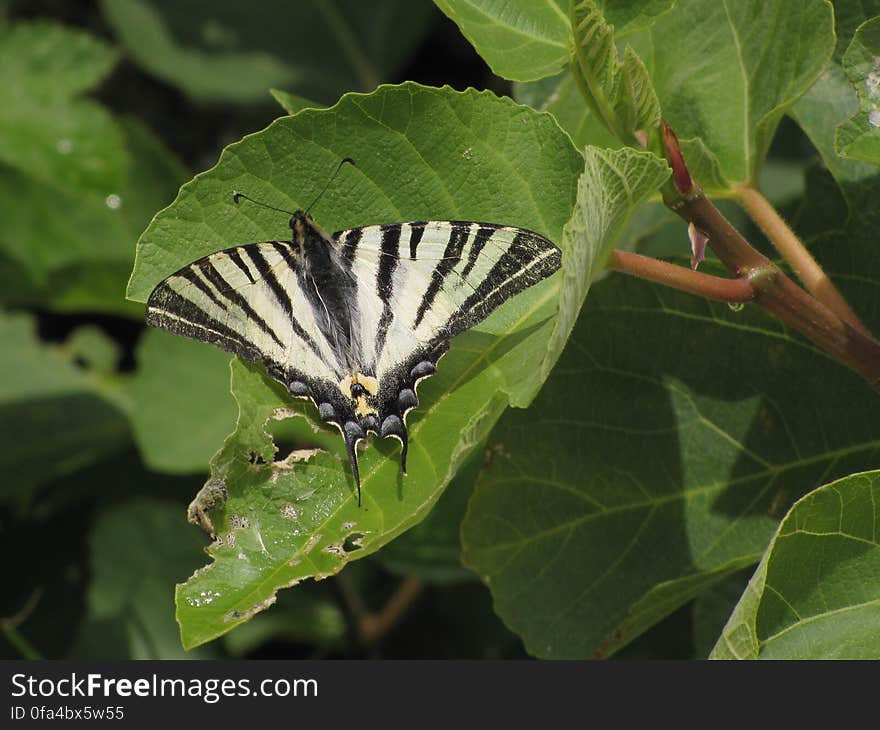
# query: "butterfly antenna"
332, 178
237, 197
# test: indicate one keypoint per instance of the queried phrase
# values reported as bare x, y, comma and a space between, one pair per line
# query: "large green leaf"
561, 96
859, 137
524, 40
432, 549
816, 592
521, 40
726, 71
658, 457
723, 83
46, 132
55, 417
421, 154
229, 51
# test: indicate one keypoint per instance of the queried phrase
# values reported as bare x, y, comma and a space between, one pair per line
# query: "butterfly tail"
353, 434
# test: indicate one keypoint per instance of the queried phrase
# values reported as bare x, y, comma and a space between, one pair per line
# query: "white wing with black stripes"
355, 320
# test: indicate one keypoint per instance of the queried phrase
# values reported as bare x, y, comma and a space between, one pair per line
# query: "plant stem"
775, 291
693, 282
348, 41
9, 626
373, 626
24, 647
795, 253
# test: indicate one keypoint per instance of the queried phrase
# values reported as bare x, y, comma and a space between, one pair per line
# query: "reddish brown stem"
732, 291
779, 294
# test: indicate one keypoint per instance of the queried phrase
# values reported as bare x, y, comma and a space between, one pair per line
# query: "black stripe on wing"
182, 314
529, 259
417, 230
390, 248
225, 290
171, 311
267, 275
458, 236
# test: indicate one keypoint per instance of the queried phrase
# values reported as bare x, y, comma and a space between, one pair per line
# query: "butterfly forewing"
245, 300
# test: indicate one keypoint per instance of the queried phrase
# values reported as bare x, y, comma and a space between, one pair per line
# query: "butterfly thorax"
326, 279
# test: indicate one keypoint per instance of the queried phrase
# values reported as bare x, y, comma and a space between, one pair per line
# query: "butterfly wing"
422, 283
247, 300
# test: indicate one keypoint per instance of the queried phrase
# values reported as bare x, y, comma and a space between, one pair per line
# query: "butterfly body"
353, 321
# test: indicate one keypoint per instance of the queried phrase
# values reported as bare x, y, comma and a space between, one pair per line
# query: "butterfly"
356, 319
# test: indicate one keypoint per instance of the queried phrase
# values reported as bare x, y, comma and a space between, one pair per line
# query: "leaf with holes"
859, 137
421, 153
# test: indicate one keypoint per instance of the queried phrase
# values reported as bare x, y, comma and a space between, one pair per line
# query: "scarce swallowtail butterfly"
353, 320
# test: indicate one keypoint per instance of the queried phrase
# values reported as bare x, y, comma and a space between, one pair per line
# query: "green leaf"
317, 49
712, 609
629, 16
725, 72
724, 110
662, 600
848, 16
561, 96
859, 137
659, 454
619, 93
613, 185
519, 39
137, 549
432, 549
55, 417
293, 103
182, 407
829, 103
46, 132
816, 592
422, 154
69, 251
524, 40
